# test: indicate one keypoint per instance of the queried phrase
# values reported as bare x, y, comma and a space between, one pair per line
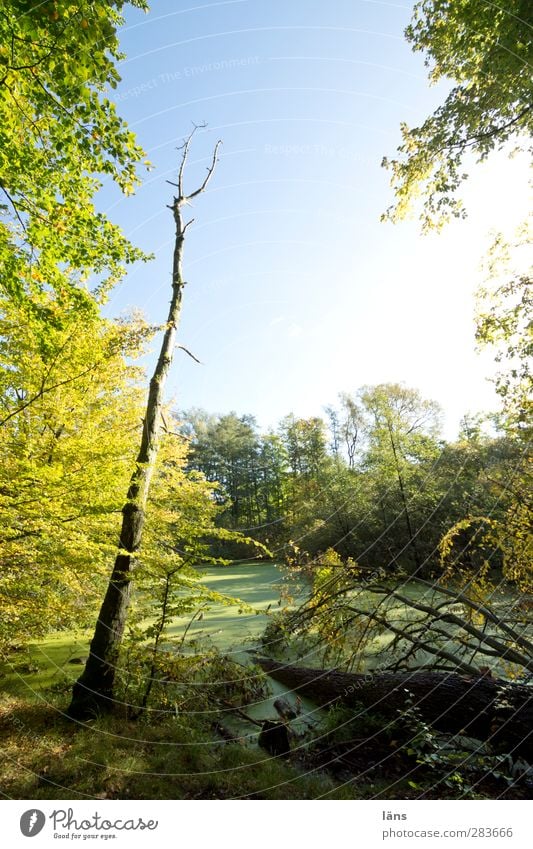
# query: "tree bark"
495, 711
93, 691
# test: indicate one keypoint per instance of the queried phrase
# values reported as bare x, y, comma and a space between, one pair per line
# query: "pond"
264, 586
267, 587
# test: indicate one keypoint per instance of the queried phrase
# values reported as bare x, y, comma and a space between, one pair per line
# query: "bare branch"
210, 172
196, 360
420, 644
185, 148
503, 651
480, 608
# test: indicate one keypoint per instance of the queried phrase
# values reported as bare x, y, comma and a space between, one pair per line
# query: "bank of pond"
278, 741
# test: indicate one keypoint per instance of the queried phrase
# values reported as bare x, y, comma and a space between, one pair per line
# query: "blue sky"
296, 291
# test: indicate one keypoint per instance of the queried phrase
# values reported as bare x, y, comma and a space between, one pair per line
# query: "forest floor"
47, 756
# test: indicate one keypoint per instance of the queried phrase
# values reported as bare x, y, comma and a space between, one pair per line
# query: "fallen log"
492, 710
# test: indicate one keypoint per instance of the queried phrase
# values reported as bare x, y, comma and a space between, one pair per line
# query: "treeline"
373, 479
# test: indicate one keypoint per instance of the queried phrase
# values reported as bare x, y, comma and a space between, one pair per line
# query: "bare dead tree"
93, 691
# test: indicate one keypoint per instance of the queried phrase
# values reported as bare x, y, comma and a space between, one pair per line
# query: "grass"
47, 757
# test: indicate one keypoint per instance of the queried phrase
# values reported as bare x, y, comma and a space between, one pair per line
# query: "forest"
194, 605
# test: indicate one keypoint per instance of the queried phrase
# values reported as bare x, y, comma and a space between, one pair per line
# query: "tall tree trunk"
93, 691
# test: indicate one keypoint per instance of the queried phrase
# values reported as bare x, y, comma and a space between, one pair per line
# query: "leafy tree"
505, 324
334, 512
225, 448
249, 468
471, 478
305, 443
69, 409
272, 484
233, 445
59, 135
350, 427
401, 432
485, 50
